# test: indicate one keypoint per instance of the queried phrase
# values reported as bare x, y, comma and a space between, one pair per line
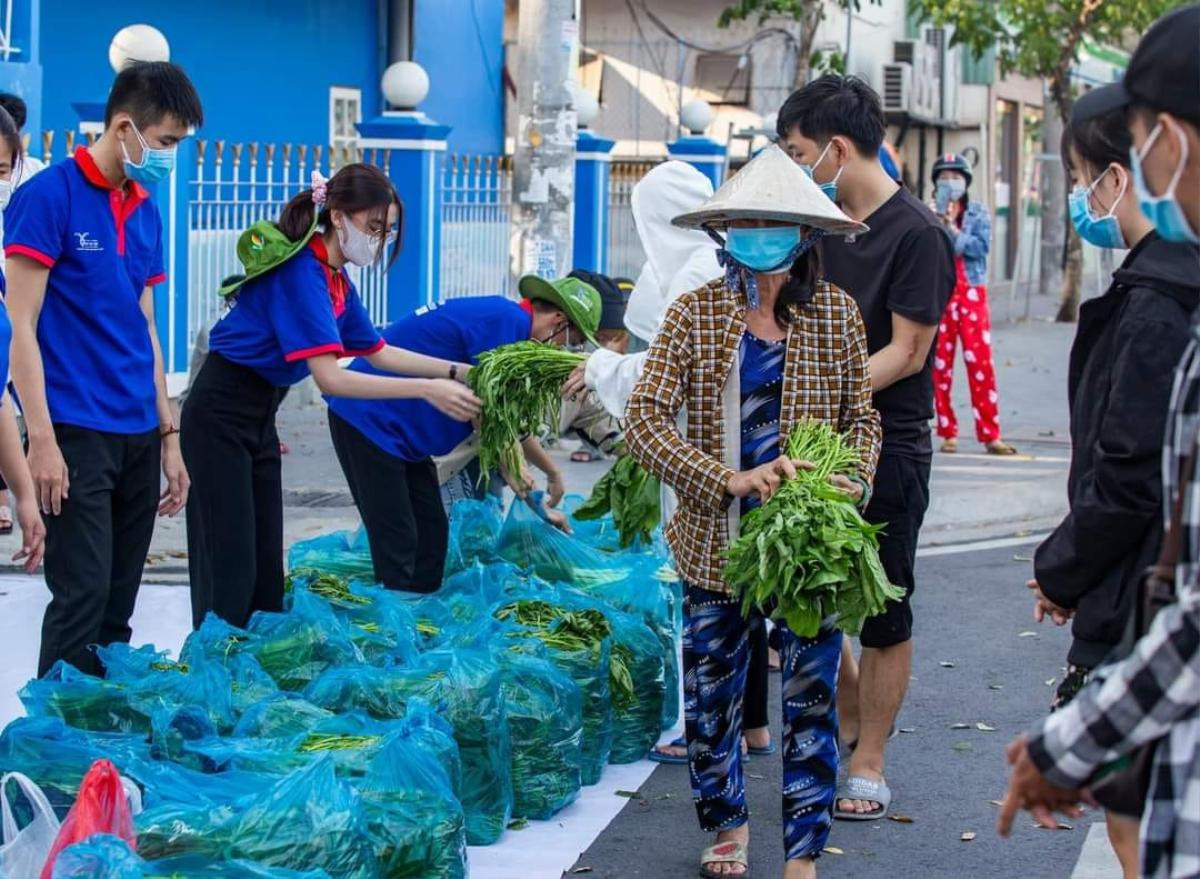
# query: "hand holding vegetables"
765, 479
452, 398
807, 554
575, 383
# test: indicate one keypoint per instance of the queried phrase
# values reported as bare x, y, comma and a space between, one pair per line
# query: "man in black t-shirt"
901, 274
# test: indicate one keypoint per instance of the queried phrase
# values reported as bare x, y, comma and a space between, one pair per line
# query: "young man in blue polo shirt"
84, 251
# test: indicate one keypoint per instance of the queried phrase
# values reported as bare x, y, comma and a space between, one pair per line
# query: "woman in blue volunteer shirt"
13, 466
294, 315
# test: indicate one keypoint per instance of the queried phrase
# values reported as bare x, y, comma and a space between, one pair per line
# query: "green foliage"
632, 496
800, 10
1040, 38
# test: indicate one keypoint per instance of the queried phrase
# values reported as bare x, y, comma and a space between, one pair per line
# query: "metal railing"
476, 239
234, 186
625, 254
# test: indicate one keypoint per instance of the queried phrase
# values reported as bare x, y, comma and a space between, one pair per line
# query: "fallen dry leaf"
1027, 635
908, 729
983, 727
946, 664
960, 726
832, 850
582, 870
901, 819
967, 835
996, 802
995, 686
1050, 683
628, 794
1061, 826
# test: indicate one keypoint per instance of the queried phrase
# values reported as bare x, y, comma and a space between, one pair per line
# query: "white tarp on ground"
543, 850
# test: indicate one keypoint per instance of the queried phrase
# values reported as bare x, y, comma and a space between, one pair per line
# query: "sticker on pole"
541, 258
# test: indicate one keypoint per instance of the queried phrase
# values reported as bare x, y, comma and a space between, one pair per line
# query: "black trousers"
235, 509
401, 507
96, 547
754, 705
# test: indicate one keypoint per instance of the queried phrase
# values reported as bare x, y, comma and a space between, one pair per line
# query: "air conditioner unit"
905, 52
897, 85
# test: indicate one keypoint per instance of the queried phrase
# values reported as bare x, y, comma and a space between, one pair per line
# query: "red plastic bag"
101, 807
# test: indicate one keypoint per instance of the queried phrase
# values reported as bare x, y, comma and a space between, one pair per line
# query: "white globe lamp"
405, 85
137, 42
587, 108
696, 116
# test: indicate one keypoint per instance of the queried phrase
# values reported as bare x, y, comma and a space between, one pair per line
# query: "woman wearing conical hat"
745, 359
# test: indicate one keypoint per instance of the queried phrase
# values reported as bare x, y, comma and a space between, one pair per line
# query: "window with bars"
345, 112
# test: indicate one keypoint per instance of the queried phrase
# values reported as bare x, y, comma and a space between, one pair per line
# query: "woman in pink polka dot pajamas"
966, 316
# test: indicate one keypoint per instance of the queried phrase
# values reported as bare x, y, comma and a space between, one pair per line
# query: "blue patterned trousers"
716, 655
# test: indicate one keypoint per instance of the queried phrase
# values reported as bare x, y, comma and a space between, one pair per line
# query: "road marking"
980, 545
1097, 860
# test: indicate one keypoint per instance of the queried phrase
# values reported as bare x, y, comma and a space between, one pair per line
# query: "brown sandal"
950, 446
999, 447
729, 852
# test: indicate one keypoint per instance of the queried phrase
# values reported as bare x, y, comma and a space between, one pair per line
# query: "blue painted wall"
263, 68
22, 74
461, 44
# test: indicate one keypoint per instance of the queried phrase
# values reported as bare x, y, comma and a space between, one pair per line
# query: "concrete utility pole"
544, 172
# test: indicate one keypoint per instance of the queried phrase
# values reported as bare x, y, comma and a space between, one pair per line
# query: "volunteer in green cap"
386, 447
293, 315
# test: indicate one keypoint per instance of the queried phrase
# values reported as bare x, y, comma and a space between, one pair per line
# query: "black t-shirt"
905, 264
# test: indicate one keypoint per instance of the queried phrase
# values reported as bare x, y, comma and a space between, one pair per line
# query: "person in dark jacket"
1119, 385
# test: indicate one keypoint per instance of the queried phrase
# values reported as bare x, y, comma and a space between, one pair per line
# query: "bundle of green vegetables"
520, 388
807, 553
632, 495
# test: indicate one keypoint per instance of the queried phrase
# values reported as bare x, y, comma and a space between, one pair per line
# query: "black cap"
612, 298
1164, 73
1099, 102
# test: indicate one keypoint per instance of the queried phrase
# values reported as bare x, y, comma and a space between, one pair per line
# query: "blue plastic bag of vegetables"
545, 722
415, 821
83, 701
464, 687
306, 819
537, 546
580, 645
156, 682
381, 627
104, 856
345, 553
474, 533
57, 756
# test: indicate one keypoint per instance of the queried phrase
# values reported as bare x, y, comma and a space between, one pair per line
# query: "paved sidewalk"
973, 495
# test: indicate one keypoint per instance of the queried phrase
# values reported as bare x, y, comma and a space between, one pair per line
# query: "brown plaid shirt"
691, 364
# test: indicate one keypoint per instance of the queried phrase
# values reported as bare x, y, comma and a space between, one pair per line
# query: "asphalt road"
971, 609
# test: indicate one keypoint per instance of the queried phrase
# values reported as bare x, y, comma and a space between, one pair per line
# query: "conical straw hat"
771, 187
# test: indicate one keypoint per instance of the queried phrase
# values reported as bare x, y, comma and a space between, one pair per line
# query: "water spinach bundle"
632, 495
520, 388
807, 553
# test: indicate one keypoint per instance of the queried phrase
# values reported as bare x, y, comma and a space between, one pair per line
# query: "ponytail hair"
800, 286
353, 189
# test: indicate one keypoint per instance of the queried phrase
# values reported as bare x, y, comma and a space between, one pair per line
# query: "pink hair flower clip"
320, 188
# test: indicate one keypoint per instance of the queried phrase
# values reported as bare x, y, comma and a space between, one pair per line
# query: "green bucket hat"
263, 247
579, 300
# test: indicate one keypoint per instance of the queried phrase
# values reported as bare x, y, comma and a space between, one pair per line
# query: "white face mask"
5, 193
359, 247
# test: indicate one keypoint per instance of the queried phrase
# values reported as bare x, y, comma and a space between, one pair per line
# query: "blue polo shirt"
103, 246
5, 336
300, 309
459, 331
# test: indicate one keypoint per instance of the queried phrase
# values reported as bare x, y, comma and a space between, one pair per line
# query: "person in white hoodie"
678, 261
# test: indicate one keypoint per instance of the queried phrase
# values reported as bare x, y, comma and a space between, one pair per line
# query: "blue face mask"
830, 188
1101, 231
156, 164
766, 249
1164, 211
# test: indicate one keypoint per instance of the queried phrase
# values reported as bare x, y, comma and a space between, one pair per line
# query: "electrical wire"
741, 47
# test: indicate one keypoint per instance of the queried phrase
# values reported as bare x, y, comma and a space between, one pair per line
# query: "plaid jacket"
692, 366
1154, 694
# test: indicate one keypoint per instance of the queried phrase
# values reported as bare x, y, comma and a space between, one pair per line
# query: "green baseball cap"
263, 247
578, 299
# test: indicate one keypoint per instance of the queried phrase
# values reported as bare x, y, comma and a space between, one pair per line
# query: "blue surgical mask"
830, 188
764, 249
156, 164
1101, 231
1164, 211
